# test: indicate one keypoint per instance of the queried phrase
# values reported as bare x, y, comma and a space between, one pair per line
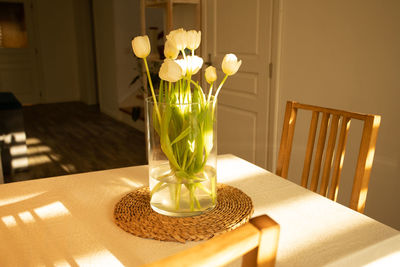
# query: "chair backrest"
333, 157
256, 241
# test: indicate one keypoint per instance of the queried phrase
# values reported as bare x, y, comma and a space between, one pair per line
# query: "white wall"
127, 21
346, 54
85, 53
103, 12
58, 50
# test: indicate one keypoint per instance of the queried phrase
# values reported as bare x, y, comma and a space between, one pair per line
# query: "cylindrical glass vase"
182, 157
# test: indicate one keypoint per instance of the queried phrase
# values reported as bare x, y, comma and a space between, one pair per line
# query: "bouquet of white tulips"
183, 116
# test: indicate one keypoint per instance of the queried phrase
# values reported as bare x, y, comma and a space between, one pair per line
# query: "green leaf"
160, 92
182, 135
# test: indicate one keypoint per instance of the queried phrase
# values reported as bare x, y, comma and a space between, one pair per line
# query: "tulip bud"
178, 38
230, 64
141, 46
193, 39
170, 50
211, 74
170, 71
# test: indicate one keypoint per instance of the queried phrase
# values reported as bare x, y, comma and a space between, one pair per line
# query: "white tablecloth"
68, 220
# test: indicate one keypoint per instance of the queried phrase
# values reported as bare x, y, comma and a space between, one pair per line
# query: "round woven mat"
134, 215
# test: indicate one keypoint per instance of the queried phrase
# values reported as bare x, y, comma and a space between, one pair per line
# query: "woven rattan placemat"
134, 215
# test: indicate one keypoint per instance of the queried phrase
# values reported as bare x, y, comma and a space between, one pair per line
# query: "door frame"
273, 110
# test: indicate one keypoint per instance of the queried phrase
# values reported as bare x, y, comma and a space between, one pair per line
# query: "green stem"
152, 90
191, 196
156, 188
210, 92
213, 189
217, 92
197, 202
219, 88
178, 193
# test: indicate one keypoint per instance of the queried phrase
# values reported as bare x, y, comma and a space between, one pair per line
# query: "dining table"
68, 221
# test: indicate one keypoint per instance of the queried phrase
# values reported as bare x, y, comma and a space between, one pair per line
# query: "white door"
242, 28
18, 61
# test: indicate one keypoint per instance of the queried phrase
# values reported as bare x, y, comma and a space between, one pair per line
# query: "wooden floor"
67, 138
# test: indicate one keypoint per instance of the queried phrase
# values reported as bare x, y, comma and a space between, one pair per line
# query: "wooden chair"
365, 156
256, 241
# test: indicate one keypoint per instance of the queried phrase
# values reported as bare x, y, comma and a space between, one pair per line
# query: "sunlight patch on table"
392, 259
233, 171
131, 183
98, 258
26, 217
15, 199
9, 221
320, 215
384, 253
52, 210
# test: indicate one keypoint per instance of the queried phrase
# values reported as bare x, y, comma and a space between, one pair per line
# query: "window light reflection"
32, 141
39, 159
18, 150
18, 137
19, 163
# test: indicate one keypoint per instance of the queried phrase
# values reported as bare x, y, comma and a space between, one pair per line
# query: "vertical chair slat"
329, 154
364, 163
310, 148
319, 152
338, 164
286, 140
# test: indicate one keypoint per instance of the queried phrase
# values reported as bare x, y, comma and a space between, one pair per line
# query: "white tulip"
141, 46
193, 39
170, 51
230, 64
190, 65
194, 64
170, 71
178, 38
183, 64
211, 74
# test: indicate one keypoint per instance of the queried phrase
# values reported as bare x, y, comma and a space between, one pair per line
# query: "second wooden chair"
331, 163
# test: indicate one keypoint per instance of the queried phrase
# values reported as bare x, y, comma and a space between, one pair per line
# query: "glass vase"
182, 157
